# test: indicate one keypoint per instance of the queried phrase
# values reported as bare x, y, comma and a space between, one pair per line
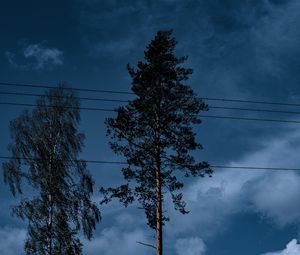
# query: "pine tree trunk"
159, 225
159, 243
159, 234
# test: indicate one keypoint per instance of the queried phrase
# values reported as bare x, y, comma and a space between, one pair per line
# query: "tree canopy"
154, 132
44, 154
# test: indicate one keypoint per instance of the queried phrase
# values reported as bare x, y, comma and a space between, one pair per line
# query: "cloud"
115, 240
43, 56
214, 202
12, 61
292, 248
121, 237
37, 57
237, 48
12, 240
276, 41
273, 195
117, 48
126, 27
190, 246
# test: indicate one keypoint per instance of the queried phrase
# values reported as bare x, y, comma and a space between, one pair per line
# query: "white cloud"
121, 237
37, 57
190, 246
276, 196
43, 56
292, 248
116, 240
272, 194
111, 241
12, 240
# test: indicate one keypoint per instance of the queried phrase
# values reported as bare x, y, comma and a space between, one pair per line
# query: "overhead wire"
80, 98
67, 88
63, 107
127, 101
203, 116
125, 163
131, 93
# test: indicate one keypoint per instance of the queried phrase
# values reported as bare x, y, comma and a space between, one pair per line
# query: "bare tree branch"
145, 244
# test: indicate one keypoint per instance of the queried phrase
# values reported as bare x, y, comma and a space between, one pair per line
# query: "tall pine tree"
44, 154
155, 134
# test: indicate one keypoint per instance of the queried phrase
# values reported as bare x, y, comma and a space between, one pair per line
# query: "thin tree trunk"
50, 225
50, 216
159, 225
50, 213
159, 236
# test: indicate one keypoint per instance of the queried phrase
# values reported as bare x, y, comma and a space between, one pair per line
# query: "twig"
149, 245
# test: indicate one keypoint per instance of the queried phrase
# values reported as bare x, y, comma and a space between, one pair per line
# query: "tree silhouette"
44, 154
155, 134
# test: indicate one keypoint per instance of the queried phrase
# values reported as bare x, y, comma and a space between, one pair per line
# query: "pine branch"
145, 244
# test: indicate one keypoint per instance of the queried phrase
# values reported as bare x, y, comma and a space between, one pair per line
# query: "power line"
87, 161
130, 93
127, 101
212, 166
55, 106
203, 116
75, 89
80, 98
250, 119
249, 101
252, 109
256, 168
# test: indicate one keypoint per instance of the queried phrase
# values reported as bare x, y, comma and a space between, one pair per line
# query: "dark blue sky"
238, 49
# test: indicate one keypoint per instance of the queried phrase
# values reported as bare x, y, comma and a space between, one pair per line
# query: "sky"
241, 49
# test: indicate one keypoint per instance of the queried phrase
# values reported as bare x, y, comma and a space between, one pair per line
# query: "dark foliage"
154, 132
47, 143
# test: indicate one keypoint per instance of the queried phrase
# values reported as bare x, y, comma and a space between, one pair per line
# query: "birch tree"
44, 155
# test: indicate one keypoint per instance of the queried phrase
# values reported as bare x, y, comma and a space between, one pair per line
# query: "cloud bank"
273, 195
